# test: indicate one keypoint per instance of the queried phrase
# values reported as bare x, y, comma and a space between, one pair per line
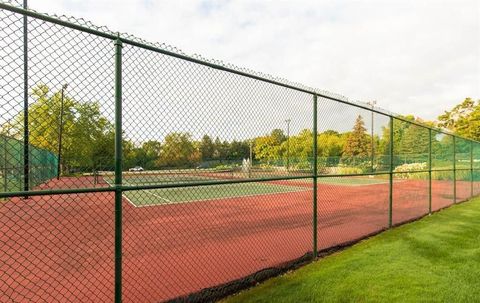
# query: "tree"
146, 155
358, 142
207, 148
178, 150
414, 140
84, 129
278, 136
266, 149
238, 150
103, 152
269, 148
129, 154
399, 128
221, 150
301, 149
330, 146
463, 119
152, 150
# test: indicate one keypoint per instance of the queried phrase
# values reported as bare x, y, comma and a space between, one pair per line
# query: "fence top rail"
88, 27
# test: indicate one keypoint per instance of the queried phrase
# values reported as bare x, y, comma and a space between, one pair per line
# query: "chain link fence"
43, 165
131, 171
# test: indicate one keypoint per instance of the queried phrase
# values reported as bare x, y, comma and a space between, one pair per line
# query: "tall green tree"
145, 155
178, 150
330, 146
238, 150
103, 152
278, 136
414, 140
84, 128
463, 119
221, 149
358, 143
266, 149
399, 129
152, 150
300, 149
207, 148
269, 148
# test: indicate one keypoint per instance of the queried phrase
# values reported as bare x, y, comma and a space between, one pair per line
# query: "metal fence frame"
118, 188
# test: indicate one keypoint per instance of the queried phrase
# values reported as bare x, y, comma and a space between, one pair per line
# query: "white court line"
135, 205
148, 192
123, 195
126, 198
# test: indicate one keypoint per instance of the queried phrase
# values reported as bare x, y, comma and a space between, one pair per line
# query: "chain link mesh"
218, 181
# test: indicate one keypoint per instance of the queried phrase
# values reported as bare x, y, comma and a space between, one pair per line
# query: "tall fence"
43, 165
185, 178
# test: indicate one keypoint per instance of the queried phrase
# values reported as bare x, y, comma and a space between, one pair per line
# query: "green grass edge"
435, 259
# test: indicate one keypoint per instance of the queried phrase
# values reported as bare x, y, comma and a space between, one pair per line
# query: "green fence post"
26, 152
430, 171
118, 170
315, 177
390, 197
5, 166
454, 171
471, 169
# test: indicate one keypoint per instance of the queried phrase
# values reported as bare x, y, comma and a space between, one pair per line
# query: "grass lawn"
436, 259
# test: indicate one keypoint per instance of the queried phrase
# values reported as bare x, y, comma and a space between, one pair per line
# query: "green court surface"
203, 193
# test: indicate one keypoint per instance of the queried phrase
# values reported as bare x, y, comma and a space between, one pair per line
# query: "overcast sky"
418, 57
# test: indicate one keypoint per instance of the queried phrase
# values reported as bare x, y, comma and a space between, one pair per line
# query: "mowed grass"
436, 259
205, 193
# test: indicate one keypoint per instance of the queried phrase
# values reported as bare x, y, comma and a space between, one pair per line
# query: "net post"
390, 192
118, 171
430, 171
454, 170
26, 161
315, 178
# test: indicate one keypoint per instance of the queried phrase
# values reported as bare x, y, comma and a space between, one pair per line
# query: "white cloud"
418, 57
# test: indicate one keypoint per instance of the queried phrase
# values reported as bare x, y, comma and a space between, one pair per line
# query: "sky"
419, 57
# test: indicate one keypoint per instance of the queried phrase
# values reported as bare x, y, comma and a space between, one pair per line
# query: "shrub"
407, 171
348, 170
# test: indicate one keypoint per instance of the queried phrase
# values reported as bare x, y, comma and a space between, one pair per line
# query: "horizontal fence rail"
133, 172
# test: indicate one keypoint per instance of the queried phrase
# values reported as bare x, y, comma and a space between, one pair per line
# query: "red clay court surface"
61, 248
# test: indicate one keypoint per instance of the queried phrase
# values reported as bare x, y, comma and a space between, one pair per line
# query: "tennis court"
175, 195
205, 193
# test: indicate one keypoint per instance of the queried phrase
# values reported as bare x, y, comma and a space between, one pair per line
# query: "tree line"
88, 140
